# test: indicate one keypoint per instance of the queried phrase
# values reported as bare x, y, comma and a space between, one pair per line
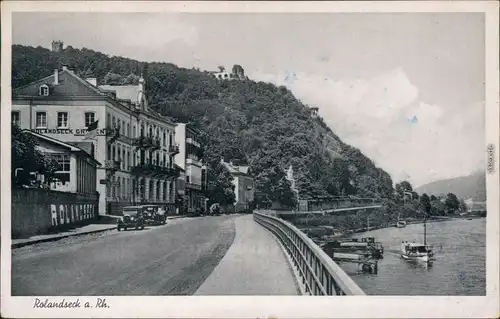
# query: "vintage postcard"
250, 159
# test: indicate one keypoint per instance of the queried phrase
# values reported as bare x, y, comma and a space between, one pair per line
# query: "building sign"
69, 131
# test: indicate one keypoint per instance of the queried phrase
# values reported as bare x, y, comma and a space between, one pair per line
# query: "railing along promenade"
319, 274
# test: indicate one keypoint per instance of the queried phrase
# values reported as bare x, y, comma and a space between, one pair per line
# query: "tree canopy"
26, 159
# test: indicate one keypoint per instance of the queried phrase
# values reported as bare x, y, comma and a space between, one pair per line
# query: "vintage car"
133, 217
154, 215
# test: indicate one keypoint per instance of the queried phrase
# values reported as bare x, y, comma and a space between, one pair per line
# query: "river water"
459, 268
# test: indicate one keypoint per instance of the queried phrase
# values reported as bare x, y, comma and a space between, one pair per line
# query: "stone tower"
57, 46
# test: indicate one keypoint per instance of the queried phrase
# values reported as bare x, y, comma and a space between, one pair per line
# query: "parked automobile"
133, 217
215, 209
154, 215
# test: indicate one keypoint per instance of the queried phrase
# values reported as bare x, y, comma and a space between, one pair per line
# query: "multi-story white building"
189, 160
135, 143
243, 185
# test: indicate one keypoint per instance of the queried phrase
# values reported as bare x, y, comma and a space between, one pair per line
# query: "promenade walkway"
255, 264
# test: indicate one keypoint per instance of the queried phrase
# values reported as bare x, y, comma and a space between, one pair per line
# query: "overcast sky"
407, 89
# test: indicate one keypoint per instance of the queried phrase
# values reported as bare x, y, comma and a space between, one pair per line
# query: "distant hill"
471, 186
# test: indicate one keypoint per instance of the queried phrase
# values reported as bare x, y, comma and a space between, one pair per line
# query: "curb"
43, 240
175, 217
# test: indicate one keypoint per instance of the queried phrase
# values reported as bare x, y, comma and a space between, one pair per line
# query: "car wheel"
136, 227
119, 228
125, 228
142, 227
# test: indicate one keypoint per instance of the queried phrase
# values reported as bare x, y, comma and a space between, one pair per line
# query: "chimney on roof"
92, 81
56, 76
65, 68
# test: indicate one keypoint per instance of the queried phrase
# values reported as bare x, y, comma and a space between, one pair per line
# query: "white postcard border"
260, 306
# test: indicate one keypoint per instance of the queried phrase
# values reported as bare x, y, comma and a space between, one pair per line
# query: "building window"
62, 119
128, 130
63, 161
170, 137
15, 117
44, 90
113, 120
89, 118
41, 119
164, 138
133, 131
108, 123
128, 160
158, 190
124, 160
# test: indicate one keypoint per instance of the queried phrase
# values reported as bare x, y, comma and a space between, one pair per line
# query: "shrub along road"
174, 259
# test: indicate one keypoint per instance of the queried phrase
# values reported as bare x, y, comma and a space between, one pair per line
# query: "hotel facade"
189, 159
135, 143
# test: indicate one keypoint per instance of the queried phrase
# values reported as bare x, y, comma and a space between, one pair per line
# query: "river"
459, 268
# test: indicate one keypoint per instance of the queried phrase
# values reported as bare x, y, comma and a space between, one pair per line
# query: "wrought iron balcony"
193, 186
155, 144
112, 165
113, 133
191, 141
154, 171
173, 149
147, 142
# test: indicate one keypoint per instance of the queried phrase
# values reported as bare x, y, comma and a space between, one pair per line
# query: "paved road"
167, 260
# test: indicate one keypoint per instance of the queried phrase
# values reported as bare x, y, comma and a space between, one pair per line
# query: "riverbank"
317, 233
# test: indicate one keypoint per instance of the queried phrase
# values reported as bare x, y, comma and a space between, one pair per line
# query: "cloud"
384, 117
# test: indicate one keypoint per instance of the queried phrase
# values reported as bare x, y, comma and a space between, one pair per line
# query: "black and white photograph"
248, 153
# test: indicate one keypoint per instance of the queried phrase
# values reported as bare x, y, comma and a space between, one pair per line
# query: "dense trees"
26, 159
452, 203
220, 188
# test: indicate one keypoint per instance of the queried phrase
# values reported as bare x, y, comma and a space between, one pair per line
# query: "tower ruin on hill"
57, 46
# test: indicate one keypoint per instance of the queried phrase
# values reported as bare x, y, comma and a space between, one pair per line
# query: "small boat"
367, 245
416, 251
401, 224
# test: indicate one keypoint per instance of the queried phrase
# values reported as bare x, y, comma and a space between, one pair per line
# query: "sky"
407, 89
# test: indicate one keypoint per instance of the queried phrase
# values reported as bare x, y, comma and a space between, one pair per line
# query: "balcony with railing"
193, 160
153, 170
112, 165
193, 186
146, 142
112, 133
191, 141
173, 149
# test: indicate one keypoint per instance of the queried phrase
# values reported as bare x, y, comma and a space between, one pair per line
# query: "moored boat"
417, 251
401, 224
